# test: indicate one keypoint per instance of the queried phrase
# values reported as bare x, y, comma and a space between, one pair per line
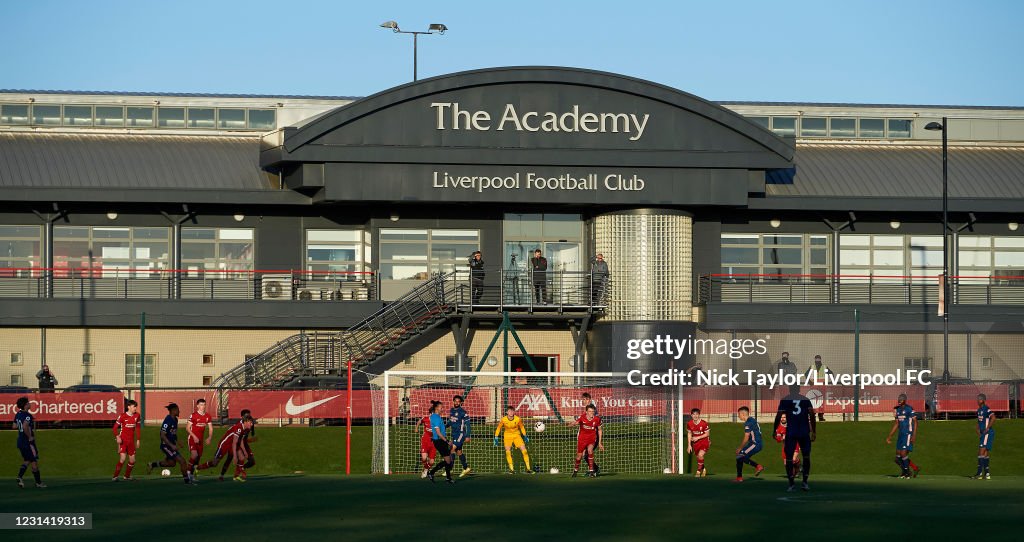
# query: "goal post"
642, 427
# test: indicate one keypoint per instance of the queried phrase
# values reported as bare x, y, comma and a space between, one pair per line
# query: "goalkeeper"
515, 435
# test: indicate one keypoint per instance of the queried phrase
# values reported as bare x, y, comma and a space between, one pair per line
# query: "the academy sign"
449, 116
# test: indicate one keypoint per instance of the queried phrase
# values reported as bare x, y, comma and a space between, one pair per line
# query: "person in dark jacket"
47, 382
600, 278
476, 275
539, 265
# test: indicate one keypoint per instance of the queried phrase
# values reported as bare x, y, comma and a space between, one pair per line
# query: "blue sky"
870, 51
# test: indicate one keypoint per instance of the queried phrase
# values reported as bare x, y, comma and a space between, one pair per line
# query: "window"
207, 380
13, 114
779, 256
872, 128
17, 358
764, 122
813, 127
86, 379
16, 379
200, 117
451, 366
337, 251
415, 254
917, 363
262, 119
131, 369
899, 128
170, 117
784, 126
842, 127
141, 117
110, 115
104, 251
217, 250
984, 258
77, 115
87, 359
208, 359
47, 115
868, 255
986, 363
20, 249
231, 119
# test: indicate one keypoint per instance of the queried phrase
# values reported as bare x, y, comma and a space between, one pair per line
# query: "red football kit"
780, 436
230, 441
587, 435
427, 440
199, 423
127, 426
699, 431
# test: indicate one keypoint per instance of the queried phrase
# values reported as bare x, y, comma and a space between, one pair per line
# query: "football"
667, 470
539, 427
554, 470
165, 472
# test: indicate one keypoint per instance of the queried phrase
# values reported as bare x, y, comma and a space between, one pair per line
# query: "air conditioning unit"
275, 287
314, 294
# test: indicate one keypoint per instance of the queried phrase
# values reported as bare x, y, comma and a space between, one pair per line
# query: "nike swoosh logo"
294, 410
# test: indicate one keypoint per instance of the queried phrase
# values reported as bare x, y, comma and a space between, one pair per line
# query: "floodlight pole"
947, 290
434, 29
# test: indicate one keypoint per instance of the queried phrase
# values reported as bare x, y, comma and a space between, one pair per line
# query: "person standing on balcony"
819, 371
476, 275
599, 272
47, 382
786, 366
539, 265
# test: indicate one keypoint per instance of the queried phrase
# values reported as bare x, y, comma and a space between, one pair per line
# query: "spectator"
47, 382
600, 277
820, 370
539, 264
476, 275
786, 366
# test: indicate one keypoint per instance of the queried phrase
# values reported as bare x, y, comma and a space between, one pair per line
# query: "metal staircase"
321, 355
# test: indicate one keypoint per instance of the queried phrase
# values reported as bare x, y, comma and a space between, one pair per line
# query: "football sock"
35, 474
438, 467
426, 464
981, 463
590, 462
577, 466
526, 459
750, 462
913, 466
906, 466
985, 464
807, 467
700, 465
511, 466
790, 470
448, 470
128, 470
464, 461
21, 471
899, 462
117, 469
739, 468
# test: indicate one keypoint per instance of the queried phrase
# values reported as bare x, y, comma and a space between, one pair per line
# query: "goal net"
640, 426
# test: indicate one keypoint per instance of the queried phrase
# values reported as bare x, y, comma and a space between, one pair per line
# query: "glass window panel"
740, 239
519, 226
813, 126
562, 226
872, 127
819, 240
200, 117
842, 127
783, 240
151, 233
14, 114
455, 235
139, 116
974, 241
45, 114
403, 235
899, 128
740, 270
198, 233
107, 115
231, 119
975, 258
79, 232
403, 251
854, 257
20, 231
198, 251
925, 258
889, 240
404, 271
170, 117
1009, 242
788, 256
819, 257
784, 125
262, 119
333, 235
332, 254
854, 240
10, 248
926, 241
451, 251
111, 233
235, 251
739, 255
888, 258
235, 234
77, 115
761, 121
1010, 259
155, 251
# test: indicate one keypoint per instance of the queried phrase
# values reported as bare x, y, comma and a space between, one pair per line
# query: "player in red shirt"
698, 440
780, 436
197, 424
427, 450
590, 435
128, 435
232, 446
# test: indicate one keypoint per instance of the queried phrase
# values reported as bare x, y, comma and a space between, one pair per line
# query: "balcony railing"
862, 289
123, 283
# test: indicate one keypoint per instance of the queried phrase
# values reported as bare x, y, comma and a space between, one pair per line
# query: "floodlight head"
390, 24
933, 126
438, 27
